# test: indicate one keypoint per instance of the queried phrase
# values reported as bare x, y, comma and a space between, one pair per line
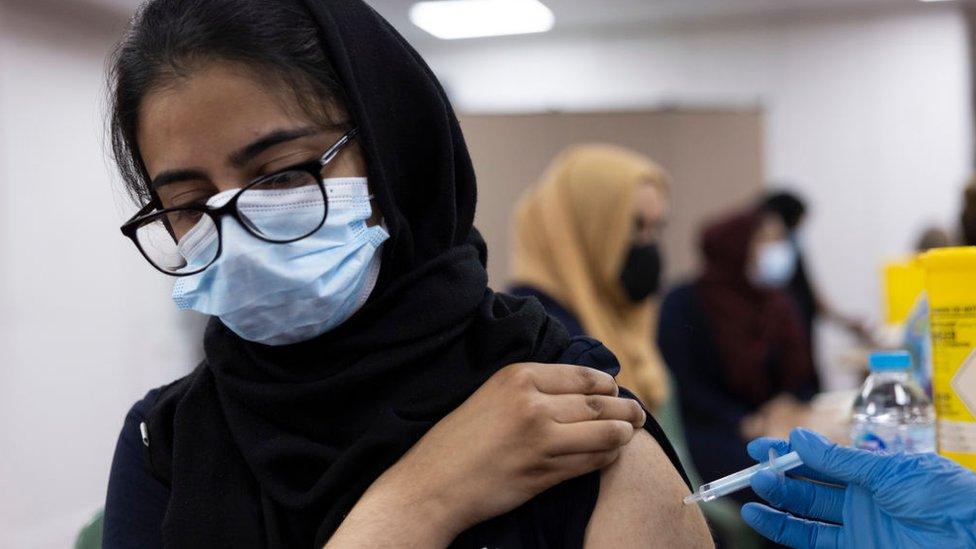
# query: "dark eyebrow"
241, 157
176, 176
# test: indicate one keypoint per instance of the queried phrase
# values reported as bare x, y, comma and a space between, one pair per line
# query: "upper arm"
136, 500
640, 503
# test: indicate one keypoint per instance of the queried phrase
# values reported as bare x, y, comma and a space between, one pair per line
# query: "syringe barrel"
739, 480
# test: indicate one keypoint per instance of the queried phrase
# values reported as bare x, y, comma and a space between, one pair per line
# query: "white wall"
868, 114
85, 327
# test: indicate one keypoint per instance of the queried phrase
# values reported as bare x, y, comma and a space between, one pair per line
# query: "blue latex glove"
872, 499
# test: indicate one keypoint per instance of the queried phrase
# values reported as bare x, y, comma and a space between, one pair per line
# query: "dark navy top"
710, 412
136, 501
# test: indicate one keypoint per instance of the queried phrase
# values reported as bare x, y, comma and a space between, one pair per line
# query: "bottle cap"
890, 361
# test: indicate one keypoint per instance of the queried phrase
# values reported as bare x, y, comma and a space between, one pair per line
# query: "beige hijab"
572, 234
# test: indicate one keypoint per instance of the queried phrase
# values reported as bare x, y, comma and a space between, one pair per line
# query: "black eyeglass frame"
153, 211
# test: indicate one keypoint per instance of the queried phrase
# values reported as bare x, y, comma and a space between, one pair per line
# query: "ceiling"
596, 14
608, 14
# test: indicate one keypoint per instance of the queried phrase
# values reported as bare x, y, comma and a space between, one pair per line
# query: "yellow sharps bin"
950, 282
903, 284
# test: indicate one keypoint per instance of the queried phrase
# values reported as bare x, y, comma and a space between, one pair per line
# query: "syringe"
737, 481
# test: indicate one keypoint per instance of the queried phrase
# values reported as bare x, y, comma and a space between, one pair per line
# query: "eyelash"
302, 158
197, 198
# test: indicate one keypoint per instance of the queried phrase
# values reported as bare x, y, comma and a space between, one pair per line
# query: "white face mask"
278, 294
775, 264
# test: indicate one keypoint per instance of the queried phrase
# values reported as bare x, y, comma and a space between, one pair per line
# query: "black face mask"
641, 275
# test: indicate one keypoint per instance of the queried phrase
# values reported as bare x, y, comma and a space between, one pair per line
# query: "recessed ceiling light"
452, 19
933, 0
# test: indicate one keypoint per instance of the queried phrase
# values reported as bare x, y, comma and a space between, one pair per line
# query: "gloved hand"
871, 499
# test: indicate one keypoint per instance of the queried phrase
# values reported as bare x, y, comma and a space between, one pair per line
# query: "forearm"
390, 516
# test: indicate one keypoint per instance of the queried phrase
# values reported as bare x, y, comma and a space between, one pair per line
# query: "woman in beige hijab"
586, 244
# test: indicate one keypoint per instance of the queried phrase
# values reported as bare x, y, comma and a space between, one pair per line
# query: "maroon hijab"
757, 331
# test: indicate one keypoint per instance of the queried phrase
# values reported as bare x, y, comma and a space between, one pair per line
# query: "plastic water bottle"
892, 413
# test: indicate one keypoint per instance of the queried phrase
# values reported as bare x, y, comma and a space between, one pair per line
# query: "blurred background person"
931, 238
811, 305
586, 244
968, 217
735, 343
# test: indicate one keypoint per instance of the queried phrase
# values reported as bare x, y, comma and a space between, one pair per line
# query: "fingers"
561, 379
801, 497
576, 408
791, 531
589, 436
574, 465
851, 465
759, 450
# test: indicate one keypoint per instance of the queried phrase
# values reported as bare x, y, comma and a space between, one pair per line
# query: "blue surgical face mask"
279, 294
775, 264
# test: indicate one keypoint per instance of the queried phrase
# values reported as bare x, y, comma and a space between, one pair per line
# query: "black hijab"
272, 446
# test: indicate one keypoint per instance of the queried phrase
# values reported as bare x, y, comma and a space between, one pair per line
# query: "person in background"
735, 344
968, 217
587, 245
792, 210
931, 238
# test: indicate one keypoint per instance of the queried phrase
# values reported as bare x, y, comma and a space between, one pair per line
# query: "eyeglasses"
167, 237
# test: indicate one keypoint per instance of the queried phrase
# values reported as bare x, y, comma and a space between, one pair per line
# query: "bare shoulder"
640, 503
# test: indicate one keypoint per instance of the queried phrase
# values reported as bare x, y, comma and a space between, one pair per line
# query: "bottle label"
957, 437
912, 439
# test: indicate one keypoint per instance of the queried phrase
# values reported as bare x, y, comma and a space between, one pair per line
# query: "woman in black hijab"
303, 176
